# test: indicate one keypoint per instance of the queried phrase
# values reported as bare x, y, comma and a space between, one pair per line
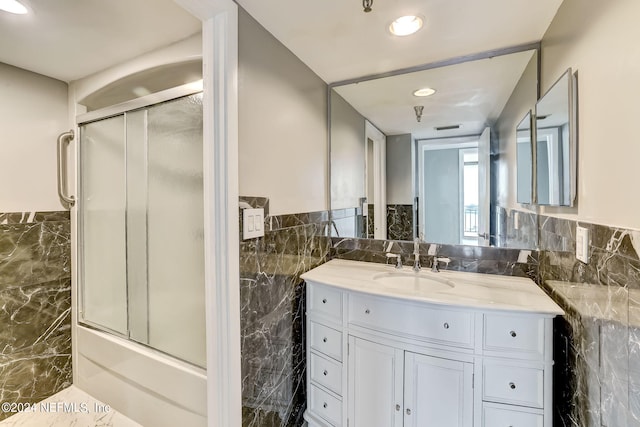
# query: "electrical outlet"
582, 244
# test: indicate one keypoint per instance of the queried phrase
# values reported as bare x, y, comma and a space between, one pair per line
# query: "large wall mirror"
556, 144
426, 166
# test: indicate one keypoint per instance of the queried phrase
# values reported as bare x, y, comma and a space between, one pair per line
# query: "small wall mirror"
524, 159
556, 144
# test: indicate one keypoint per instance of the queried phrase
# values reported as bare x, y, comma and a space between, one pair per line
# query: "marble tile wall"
35, 306
597, 375
508, 262
400, 222
272, 314
597, 343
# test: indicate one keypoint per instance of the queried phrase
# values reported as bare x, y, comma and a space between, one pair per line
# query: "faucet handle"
436, 260
397, 257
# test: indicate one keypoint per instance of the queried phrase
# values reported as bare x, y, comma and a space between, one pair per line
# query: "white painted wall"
33, 112
282, 124
599, 39
399, 170
347, 154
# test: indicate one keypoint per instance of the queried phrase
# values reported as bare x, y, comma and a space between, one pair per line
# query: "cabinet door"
438, 392
375, 384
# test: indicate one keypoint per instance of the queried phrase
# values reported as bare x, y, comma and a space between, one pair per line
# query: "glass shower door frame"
95, 116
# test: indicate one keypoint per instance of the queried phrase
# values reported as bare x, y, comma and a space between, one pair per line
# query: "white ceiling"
71, 39
338, 41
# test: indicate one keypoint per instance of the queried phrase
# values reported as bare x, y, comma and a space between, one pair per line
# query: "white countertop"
473, 290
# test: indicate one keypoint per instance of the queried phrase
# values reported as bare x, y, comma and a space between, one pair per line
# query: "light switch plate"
582, 244
252, 223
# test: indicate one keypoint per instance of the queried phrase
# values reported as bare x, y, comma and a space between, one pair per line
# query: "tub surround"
272, 314
35, 301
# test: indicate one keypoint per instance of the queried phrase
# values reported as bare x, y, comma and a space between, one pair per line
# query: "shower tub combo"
139, 334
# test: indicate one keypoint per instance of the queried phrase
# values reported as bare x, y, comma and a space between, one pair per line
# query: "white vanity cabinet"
389, 387
379, 359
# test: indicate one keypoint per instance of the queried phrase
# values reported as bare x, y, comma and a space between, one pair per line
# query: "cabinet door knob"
408, 411
324, 300
324, 339
513, 333
367, 311
324, 405
398, 408
446, 325
512, 386
325, 373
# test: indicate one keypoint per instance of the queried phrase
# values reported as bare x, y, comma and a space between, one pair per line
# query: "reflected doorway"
453, 196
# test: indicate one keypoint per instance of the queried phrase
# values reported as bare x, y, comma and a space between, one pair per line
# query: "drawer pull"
325, 373
324, 300
408, 411
367, 311
513, 334
398, 408
324, 405
324, 339
512, 386
446, 325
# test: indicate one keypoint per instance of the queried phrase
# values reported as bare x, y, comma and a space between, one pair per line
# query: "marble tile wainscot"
272, 314
35, 301
598, 341
400, 222
477, 259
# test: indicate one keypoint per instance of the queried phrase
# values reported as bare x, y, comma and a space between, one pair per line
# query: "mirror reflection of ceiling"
471, 94
338, 41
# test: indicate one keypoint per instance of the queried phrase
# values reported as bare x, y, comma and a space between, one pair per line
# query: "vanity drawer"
325, 301
514, 334
511, 384
410, 319
496, 416
326, 340
326, 373
326, 406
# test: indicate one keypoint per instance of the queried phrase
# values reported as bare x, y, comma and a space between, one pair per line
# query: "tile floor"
71, 407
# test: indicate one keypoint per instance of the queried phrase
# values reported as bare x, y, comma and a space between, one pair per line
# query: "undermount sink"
399, 279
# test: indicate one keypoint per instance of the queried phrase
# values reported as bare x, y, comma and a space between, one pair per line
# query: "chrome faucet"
416, 255
436, 260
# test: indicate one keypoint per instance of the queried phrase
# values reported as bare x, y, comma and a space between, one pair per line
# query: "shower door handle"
63, 140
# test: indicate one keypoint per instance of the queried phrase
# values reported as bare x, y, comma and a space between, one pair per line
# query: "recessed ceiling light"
405, 25
13, 6
425, 91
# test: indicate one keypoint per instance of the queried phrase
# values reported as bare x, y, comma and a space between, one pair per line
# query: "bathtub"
145, 385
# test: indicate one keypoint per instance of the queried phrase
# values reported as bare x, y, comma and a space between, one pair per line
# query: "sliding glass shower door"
142, 226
